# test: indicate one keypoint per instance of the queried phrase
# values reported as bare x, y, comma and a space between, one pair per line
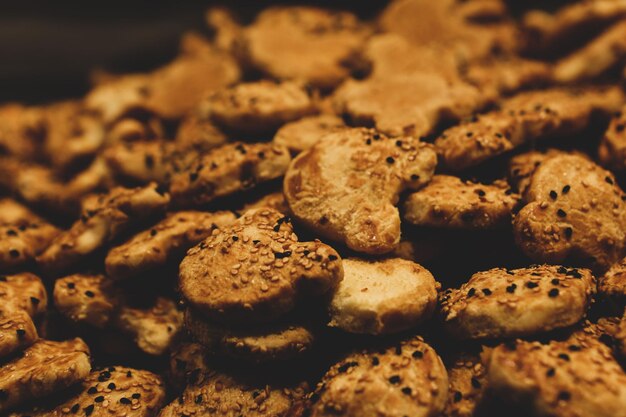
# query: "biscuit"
449, 202
467, 380
12, 212
138, 162
603, 53
575, 212
24, 291
112, 391
564, 378
166, 241
258, 107
528, 116
612, 148
226, 170
197, 132
117, 97
259, 344
522, 167
302, 134
232, 396
22, 243
519, 302
309, 44
274, 201
129, 129
113, 213
408, 379
255, 269
384, 296
613, 283
346, 187
17, 331
44, 368
22, 129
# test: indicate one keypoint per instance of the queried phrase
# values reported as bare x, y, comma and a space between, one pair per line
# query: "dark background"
48, 48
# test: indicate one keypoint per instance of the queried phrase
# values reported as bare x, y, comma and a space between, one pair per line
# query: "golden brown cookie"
309, 44
612, 149
24, 291
257, 107
226, 170
112, 213
613, 283
302, 134
449, 202
467, 381
17, 331
166, 241
118, 96
408, 379
139, 162
22, 129
196, 131
522, 167
565, 378
346, 187
112, 391
13, 212
528, 116
43, 369
258, 344
575, 212
256, 269
519, 302
384, 296
21, 243
129, 129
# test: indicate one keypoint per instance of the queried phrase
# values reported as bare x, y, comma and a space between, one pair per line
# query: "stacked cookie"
420, 213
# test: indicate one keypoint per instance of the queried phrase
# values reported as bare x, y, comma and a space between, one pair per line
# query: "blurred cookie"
17, 331
187, 361
384, 296
256, 269
138, 162
449, 202
613, 283
519, 302
346, 187
612, 149
302, 134
166, 241
197, 132
22, 128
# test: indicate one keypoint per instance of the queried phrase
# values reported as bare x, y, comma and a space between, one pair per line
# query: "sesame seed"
554, 292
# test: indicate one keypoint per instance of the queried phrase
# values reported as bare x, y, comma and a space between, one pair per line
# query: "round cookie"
408, 379
449, 202
346, 186
520, 302
256, 269
302, 134
382, 296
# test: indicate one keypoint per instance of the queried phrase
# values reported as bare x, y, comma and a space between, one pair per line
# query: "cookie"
564, 378
346, 187
613, 283
22, 129
302, 134
259, 344
275, 200
612, 148
22, 243
255, 269
138, 162
603, 53
258, 107
112, 214
115, 390
13, 212
234, 396
384, 296
129, 129
197, 132
314, 45
119, 96
406, 379
17, 331
519, 302
227, 170
575, 212
521, 167
526, 117
24, 291
43, 369
165, 242
449, 202
467, 377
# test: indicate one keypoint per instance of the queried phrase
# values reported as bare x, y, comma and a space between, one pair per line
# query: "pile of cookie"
317, 214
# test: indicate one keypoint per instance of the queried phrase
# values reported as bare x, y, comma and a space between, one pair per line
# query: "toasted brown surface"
17, 331
23, 291
612, 149
255, 269
613, 283
302, 134
519, 302
467, 381
522, 167
165, 242
346, 187
406, 379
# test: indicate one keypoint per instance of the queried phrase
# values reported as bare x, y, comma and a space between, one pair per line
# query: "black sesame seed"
375, 361
481, 193
111, 386
475, 383
550, 372
554, 292
89, 294
343, 368
568, 232
332, 257
395, 379
14, 253
149, 161
88, 410
555, 281
11, 232
406, 391
574, 348
34, 300
20, 333
553, 195
561, 213
418, 354
153, 232
486, 291
415, 177
198, 399
281, 255
564, 396
458, 396
531, 284
75, 408
566, 189
390, 160
564, 356
511, 288
471, 292
99, 398
193, 176
125, 400
92, 390
608, 180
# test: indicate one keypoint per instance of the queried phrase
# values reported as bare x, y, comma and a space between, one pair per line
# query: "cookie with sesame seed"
576, 212
275, 200
226, 170
276, 341
165, 242
23, 291
612, 148
613, 283
112, 391
22, 243
522, 167
138, 162
520, 302
449, 202
525, 117
566, 378
382, 296
346, 187
110, 215
258, 107
232, 395
256, 269
302, 134
44, 368
466, 376
17, 331
406, 379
